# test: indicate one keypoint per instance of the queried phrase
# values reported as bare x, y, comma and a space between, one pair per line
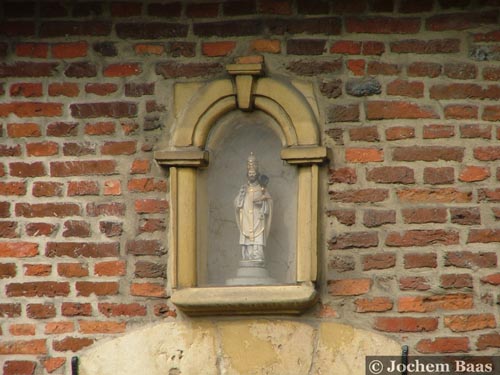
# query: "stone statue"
253, 207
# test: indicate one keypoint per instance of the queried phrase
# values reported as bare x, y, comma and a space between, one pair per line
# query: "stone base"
251, 272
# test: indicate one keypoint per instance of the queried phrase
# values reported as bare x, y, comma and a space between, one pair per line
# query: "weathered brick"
418, 283
352, 240
459, 21
433, 46
349, 287
340, 263
47, 189
456, 281
375, 304
73, 344
424, 215
405, 324
151, 206
424, 69
33, 347
443, 345
54, 29
343, 113
359, 196
7, 270
468, 259
305, 46
391, 175
99, 288
422, 237
439, 175
82, 249
37, 289
174, 69
483, 236
40, 310
434, 131
386, 110
76, 309
313, 67
82, 168
428, 153
109, 109
144, 247
378, 261
107, 327
47, 209
488, 340
376, 218
382, 25
122, 309
26, 90
27, 69
144, 269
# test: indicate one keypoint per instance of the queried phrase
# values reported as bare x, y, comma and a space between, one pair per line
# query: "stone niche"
215, 127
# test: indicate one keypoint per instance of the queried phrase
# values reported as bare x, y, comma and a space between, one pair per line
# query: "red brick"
214, 49
8, 229
493, 279
491, 73
351, 240
82, 249
435, 302
349, 287
375, 304
40, 311
12, 188
399, 132
439, 175
149, 49
40, 229
145, 247
266, 45
443, 345
107, 327
382, 25
72, 270
359, 196
37, 269
418, 283
51, 364
73, 344
47, 209
22, 169
424, 215
36, 50
468, 259
391, 175
23, 130
489, 340
122, 309
119, 148
373, 48
101, 89
483, 236
10, 310
87, 288
57, 328
31, 109
405, 324
376, 218
106, 209
80, 188
76, 228
378, 261
18, 249
346, 47
64, 89
165, 311
62, 129
382, 68
7, 270
357, 67
22, 329
380, 110
47, 189
461, 112
475, 131
110, 268
37, 289
459, 21
364, 155
82, 168
76, 309
151, 206
148, 290
424, 69
34, 347
122, 70
27, 90
456, 281
342, 175
19, 368
401, 87
69, 50
464, 91
42, 149
438, 131
103, 109
474, 173
343, 113
486, 195
428, 153
366, 134
125, 9
423, 237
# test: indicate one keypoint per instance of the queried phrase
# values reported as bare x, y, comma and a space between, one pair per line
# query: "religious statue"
253, 206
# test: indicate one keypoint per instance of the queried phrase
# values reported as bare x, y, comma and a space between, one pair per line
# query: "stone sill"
268, 299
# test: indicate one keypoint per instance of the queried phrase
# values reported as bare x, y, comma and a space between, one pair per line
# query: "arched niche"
283, 108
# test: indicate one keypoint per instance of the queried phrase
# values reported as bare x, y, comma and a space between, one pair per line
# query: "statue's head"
252, 168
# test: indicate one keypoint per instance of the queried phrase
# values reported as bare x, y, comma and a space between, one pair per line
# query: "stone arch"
281, 101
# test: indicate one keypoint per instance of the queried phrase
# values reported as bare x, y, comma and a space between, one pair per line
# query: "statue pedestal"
251, 272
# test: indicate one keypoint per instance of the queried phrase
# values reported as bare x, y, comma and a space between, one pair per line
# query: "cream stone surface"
238, 347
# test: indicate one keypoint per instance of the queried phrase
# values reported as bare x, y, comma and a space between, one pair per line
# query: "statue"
253, 206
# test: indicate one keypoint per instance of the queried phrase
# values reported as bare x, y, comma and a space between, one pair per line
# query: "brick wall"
408, 93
